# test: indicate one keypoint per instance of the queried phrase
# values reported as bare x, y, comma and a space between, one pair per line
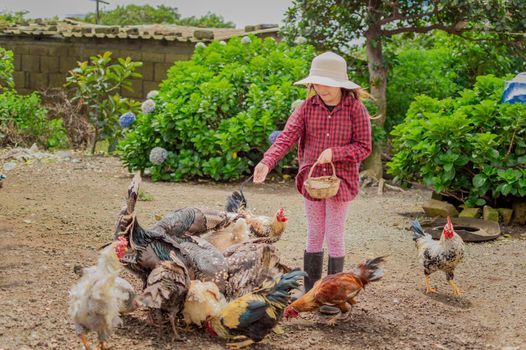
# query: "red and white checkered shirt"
346, 130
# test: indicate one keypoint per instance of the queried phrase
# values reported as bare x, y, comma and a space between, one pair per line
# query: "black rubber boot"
313, 266
335, 266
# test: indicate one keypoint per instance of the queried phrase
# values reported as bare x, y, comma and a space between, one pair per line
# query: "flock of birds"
219, 270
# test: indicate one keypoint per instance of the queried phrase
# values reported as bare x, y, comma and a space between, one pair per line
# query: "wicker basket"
324, 186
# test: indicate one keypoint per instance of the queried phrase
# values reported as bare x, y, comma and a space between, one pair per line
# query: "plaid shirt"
346, 130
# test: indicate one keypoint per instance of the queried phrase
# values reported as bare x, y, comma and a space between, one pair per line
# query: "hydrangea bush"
214, 113
470, 147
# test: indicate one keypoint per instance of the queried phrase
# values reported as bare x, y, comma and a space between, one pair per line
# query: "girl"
331, 126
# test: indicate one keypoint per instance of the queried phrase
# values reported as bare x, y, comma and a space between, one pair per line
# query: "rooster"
260, 225
204, 300
337, 290
264, 226
251, 317
443, 255
95, 301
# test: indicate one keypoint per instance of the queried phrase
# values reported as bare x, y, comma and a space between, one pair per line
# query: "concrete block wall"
41, 63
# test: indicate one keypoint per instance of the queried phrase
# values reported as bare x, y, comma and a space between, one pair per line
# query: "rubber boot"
313, 266
335, 266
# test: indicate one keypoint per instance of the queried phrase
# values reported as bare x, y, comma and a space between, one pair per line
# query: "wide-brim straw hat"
329, 69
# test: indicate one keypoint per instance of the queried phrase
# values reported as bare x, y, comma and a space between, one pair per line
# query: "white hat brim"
316, 79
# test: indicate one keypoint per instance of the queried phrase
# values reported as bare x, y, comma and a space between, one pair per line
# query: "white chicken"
96, 301
204, 300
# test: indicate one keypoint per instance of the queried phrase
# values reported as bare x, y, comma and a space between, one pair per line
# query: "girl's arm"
360, 146
293, 130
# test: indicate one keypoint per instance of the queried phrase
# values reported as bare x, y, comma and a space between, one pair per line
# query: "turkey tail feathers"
418, 231
133, 193
237, 201
370, 271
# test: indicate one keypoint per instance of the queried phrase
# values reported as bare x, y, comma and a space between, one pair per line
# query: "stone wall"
42, 62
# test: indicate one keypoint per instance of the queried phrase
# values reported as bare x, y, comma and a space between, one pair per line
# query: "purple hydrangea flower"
152, 94
127, 119
148, 106
273, 136
158, 155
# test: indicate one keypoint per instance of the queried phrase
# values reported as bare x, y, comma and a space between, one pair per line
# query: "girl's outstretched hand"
260, 173
325, 156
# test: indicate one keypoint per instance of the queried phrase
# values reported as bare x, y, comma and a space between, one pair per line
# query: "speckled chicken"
249, 265
443, 255
149, 247
100, 295
166, 290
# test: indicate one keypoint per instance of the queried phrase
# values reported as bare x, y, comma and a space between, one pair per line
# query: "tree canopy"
338, 25
147, 14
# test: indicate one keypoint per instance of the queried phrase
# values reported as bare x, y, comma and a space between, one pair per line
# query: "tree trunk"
95, 137
378, 82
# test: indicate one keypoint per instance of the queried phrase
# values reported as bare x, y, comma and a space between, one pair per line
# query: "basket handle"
317, 163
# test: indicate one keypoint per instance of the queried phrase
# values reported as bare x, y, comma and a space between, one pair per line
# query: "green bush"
97, 85
214, 113
471, 147
440, 65
6, 70
24, 121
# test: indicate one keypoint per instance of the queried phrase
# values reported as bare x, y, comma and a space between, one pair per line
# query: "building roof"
70, 28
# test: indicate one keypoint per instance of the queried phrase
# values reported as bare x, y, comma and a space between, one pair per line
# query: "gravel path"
54, 215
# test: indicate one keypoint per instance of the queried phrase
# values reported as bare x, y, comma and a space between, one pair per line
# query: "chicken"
264, 226
251, 317
443, 255
249, 265
148, 248
99, 295
237, 200
166, 290
236, 233
204, 300
337, 290
260, 226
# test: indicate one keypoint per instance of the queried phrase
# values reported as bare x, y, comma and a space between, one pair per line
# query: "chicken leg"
241, 344
176, 336
456, 291
84, 340
345, 309
429, 289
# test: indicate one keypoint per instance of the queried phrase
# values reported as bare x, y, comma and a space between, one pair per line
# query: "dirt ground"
54, 215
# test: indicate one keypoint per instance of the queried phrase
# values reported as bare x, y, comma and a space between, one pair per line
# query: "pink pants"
326, 219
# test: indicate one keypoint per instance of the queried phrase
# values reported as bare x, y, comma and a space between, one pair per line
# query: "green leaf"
479, 180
